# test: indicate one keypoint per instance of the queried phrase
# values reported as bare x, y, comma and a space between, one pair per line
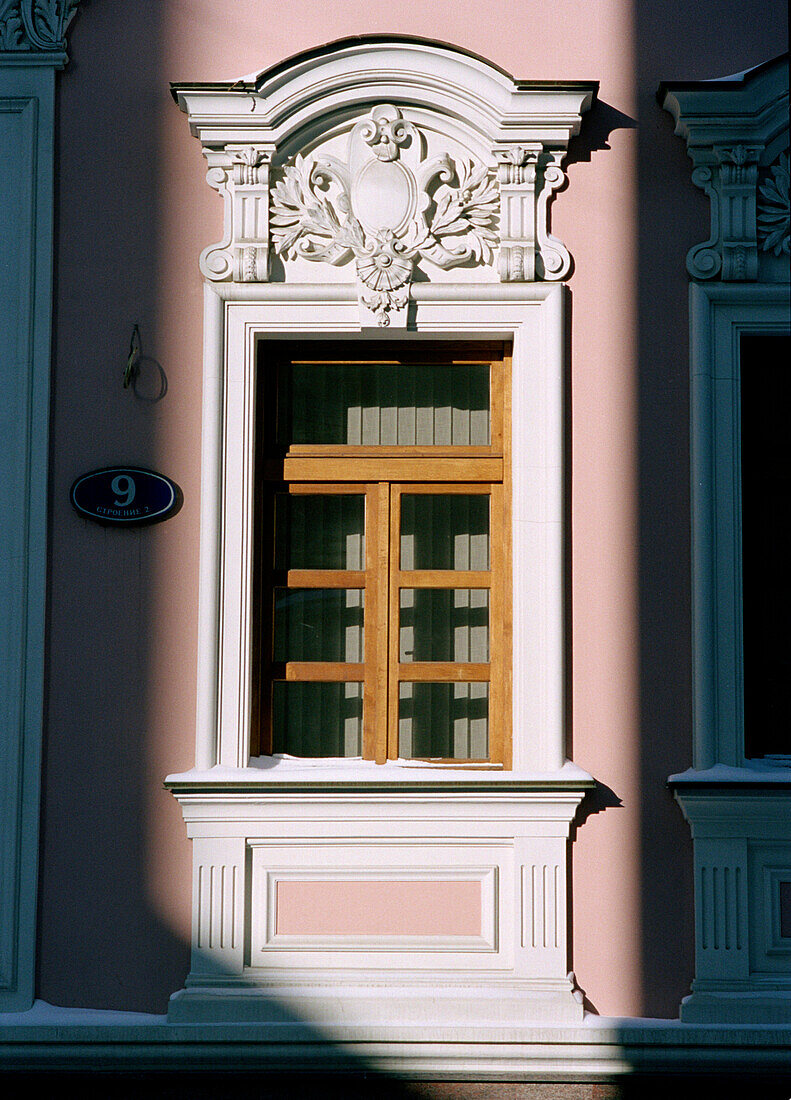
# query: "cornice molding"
35, 27
448, 162
736, 130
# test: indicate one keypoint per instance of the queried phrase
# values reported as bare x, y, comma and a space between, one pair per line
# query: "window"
766, 592
383, 560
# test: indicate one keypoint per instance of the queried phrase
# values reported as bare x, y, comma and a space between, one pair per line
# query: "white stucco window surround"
397, 189
739, 809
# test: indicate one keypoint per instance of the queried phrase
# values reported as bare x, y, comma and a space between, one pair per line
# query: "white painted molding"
237, 317
31, 49
455, 161
508, 835
736, 132
246, 822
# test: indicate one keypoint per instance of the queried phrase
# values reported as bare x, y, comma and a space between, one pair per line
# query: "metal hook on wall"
133, 361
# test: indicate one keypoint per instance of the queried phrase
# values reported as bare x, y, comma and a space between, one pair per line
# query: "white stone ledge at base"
601, 1048
382, 1006
771, 1008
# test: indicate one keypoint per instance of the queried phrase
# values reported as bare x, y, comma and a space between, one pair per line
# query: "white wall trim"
736, 130
529, 314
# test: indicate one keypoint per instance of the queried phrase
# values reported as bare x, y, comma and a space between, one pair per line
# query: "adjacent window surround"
736, 131
32, 50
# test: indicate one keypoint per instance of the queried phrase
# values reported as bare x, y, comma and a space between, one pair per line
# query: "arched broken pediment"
384, 161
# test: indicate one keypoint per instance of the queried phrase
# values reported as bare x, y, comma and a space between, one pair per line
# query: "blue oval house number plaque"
126, 496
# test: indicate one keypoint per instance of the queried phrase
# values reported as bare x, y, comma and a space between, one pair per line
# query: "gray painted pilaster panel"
26, 194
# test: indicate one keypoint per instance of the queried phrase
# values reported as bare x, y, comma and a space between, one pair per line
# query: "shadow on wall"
100, 944
709, 40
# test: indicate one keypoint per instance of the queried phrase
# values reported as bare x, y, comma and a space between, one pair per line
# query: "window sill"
276, 773
753, 774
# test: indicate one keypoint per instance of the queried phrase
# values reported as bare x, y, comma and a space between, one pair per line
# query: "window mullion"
499, 693
394, 589
377, 565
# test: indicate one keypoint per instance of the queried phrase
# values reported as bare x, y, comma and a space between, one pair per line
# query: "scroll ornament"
387, 207
35, 24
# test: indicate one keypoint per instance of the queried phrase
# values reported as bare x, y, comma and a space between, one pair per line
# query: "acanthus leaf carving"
12, 29
35, 25
304, 218
383, 209
774, 215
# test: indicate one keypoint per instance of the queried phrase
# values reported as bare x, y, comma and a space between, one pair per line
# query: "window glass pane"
766, 542
450, 721
444, 531
319, 624
390, 404
320, 531
444, 624
317, 719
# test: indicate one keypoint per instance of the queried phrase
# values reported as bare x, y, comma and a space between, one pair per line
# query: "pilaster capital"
35, 29
736, 130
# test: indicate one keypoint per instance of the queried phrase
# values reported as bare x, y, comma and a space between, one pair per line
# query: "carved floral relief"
387, 207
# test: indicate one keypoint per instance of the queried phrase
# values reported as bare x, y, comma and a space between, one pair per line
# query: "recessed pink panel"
392, 908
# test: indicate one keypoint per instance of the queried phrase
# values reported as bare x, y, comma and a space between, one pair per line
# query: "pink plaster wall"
393, 908
133, 214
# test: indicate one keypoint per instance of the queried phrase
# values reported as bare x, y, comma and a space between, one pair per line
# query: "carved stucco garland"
326, 210
774, 218
35, 24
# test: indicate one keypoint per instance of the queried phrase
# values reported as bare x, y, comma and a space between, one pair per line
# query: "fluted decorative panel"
721, 918
217, 907
542, 905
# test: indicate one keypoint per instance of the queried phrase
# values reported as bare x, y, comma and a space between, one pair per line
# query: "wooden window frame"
383, 473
